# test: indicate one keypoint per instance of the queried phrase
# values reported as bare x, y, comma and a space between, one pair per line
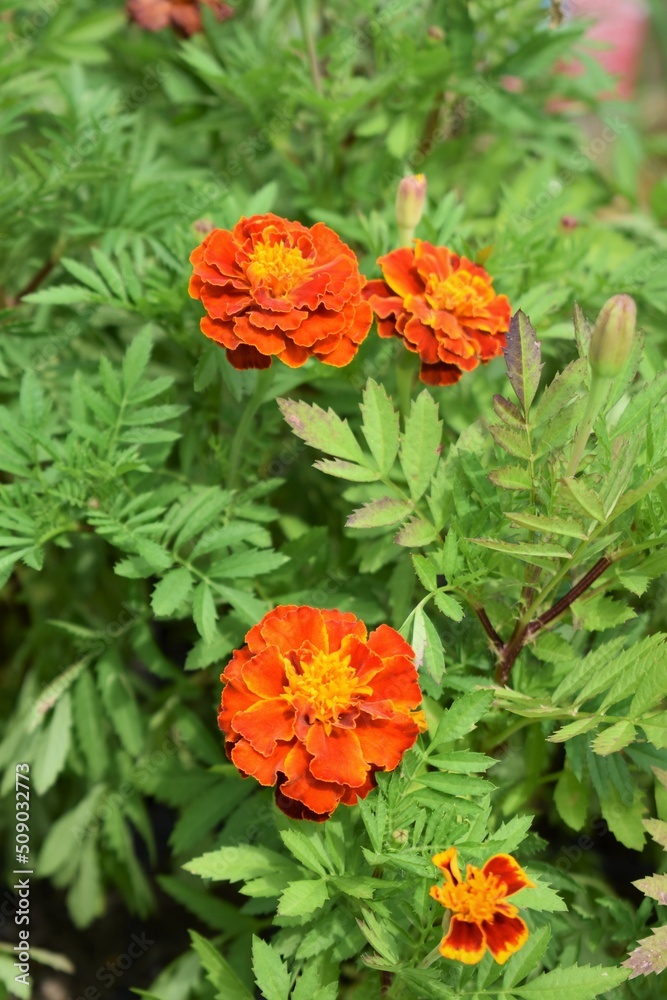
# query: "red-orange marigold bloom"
183, 15
273, 287
481, 917
444, 308
315, 706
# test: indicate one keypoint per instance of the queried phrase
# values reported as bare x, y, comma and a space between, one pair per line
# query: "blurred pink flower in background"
621, 25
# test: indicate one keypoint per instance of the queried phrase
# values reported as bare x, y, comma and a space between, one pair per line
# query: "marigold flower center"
277, 266
462, 293
328, 685
476, 899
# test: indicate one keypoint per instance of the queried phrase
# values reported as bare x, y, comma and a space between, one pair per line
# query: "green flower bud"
613, 336
410, 200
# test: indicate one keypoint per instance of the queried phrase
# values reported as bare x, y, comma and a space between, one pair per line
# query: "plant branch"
525, 631
34, 282
488, 627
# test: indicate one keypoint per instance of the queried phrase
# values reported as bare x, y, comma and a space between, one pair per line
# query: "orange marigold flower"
316, 706
444, 308
273, 287
183, 15
481, 917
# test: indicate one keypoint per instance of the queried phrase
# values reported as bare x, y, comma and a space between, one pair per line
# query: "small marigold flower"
481, 917
315, 706
276, 288
444, 308
183, 15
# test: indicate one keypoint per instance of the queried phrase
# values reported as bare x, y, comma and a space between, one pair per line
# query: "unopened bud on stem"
611, 343
410, 200
613, 336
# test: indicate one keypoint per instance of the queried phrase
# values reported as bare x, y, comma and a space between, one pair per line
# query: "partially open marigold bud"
613, 336
410, 200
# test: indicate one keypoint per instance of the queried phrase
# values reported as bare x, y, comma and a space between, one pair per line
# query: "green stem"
309, 42
596, 399
264, 379
432, 957
405, 375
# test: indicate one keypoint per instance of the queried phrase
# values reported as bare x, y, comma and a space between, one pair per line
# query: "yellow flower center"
462, 293
277, 266
474, 900
327, 684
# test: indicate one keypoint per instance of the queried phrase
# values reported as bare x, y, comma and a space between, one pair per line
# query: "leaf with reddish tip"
321, 429
655, 887
650, 956
379, 513
522, 357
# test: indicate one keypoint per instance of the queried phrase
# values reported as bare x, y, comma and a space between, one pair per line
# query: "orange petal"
447, 862
464, 942
504, 935
336, 757
254, 638
265, 674
397, 681
265, 722
297, 626
385, 741
318, 797
386, 641
220, 331
399, 272
340, 356
266, 341
253, 764
510, 873
339, 624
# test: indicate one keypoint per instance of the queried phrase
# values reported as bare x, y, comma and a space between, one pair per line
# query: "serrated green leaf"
121, 705
448, 605
218, 971
346, 470
271, 973
548, 525
89, 725
461, 717
53, 749
171, 591
85, 275
524, 550
205, 613
303, 897
420, 445
511, 477
136, 358
561, 391
416, 533
575, 983
234, 864
380, 426
614, 738
508, 412
528, 958
511, 440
